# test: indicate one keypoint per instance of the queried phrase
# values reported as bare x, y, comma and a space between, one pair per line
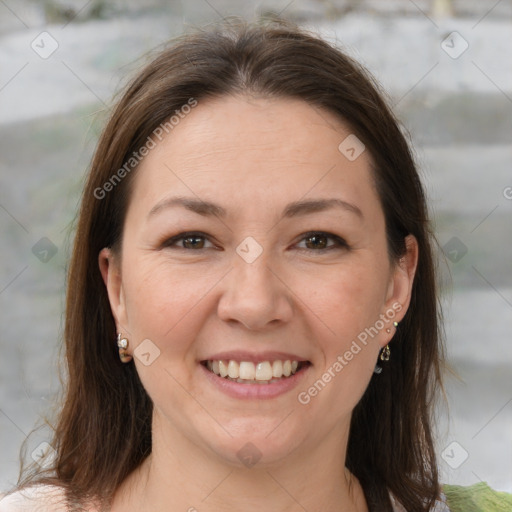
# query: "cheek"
163, 299
353, 298
350, 309
168, 306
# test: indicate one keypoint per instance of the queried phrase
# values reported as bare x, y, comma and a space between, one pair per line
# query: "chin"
263, 444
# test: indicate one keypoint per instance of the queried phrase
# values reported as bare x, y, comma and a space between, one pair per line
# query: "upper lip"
255, 357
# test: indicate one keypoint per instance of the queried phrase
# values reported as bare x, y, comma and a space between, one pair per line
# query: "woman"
252, 318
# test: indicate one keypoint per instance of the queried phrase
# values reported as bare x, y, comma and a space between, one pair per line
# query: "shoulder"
478, 498
39, 498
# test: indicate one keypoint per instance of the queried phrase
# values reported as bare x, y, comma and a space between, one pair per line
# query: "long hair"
103, 430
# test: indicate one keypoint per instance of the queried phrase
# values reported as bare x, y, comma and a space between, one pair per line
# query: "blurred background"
447, 68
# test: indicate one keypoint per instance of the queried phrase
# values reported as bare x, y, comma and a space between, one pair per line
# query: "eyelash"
339, 243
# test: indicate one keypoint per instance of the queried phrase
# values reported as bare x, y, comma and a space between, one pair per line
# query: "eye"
192, 241
320, 241
312, 241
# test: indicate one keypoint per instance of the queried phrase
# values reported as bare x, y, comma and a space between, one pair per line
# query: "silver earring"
385, 353
122, 344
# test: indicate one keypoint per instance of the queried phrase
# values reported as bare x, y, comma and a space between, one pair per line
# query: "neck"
179, 475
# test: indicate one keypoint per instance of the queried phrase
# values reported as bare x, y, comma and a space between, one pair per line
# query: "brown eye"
189, 241
316, 241
320, 241
193, 242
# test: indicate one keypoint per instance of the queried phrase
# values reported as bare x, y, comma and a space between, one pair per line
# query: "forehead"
254, 152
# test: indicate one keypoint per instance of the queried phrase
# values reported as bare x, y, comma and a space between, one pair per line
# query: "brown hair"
104, 428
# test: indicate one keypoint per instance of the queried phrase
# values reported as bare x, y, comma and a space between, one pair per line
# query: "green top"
476, 498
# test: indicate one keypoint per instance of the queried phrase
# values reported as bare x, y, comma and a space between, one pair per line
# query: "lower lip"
239, 390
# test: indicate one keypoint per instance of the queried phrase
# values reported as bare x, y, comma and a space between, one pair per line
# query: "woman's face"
251, 239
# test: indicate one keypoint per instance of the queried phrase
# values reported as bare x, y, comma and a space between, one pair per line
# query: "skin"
252, 156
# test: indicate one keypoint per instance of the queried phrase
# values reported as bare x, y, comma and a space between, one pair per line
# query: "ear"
400, 285
111, 273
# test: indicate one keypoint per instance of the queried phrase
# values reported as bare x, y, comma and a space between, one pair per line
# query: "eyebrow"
295, 209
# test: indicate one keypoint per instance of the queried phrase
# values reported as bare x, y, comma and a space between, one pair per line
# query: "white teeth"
223, 368
233, 370
247, 372
263, 371
277, 368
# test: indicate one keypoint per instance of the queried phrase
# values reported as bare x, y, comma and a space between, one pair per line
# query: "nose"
254, 296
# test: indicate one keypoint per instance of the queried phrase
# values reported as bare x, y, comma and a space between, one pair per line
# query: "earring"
384, 356
386, 352
395, 325
122, 344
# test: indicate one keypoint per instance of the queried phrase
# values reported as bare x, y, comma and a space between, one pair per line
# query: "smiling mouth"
247, 372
